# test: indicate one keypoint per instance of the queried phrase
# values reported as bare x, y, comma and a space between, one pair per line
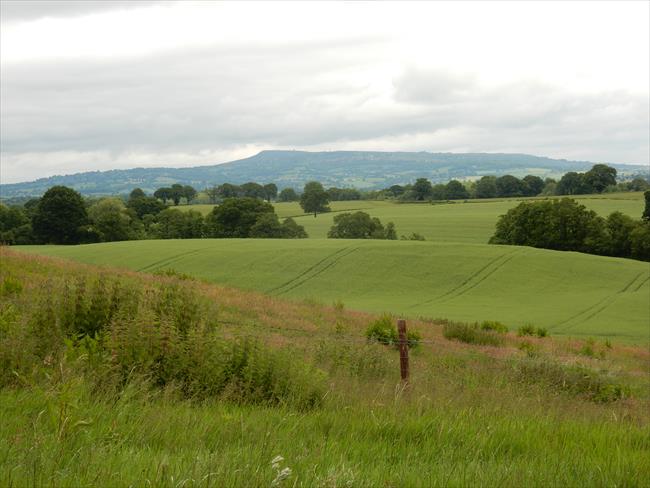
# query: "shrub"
541, 332
575, 379
383, 331
414, 236
494, 325
526, 330
10, 286
471, 334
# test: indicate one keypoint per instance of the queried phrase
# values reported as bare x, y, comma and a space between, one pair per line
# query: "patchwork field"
570, 293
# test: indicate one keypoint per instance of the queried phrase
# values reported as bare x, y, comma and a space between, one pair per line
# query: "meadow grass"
472, 415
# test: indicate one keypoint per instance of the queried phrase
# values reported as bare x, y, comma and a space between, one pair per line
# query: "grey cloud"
26, 10
291, 95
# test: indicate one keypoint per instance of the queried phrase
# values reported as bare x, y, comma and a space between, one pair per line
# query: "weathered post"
403, 350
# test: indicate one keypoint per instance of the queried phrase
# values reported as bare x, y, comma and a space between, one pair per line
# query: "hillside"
122, 408
360, 169
583, 295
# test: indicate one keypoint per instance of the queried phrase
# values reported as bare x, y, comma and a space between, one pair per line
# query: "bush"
495, 326
413, 237
576, 380
383, 331
526, 330
471, 334
360, 225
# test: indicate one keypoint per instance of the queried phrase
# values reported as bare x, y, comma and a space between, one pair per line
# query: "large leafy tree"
236, 216
111, 221
314, 198
270, 191
599, 177
486, 187
454, 190
360, 225
646, 211
509, 186
59, 216
532, 185
422, 189
288, 195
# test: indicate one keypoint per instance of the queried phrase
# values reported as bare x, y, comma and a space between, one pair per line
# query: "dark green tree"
532, 185
486, 187
228, 190
236, 216
571, 183
646, 212
599, 177
454, 190
509, 186
422, 189
59, 217
253, 190
110, 219
270, 191
189, 193
360, 225
177, 191
288, 195
314, 198
163, 194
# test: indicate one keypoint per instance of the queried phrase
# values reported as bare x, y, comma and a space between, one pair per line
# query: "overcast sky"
117, 84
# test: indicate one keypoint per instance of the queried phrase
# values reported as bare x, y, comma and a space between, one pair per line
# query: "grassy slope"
465, 421
570, 293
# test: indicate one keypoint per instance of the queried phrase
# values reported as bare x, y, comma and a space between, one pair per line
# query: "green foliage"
59, 216
314, 198
494, 325
526, 330
288, 195
383, 331
10, 286
360, 225
573, 379
421, 189
454, 190
172, 223
646, 211
414, 236
472, 334
111, 221
235, 217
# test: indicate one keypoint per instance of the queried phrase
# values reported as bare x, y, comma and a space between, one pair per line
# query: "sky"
88, 86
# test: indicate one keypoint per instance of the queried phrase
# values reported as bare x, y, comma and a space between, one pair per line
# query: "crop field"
470, 222
570, 293
169, 392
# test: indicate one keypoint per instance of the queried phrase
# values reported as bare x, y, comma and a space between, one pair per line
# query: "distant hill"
360, 169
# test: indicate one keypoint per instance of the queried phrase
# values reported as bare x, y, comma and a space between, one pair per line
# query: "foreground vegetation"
77, 412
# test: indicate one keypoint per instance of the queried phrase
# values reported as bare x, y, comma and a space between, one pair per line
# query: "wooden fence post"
403, 350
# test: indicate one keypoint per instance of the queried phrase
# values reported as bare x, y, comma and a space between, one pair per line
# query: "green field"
570, 293
471, 222
142, 403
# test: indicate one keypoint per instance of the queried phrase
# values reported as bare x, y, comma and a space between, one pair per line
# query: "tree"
646, 211
228, 190
314, 198
571, 183
395, 190
137, 193
15, 226
454, 190
509, 186
236, 216
177, 191
163, 194
554, 224
270, 191
486, 187
288, 195
177, 224
189, 193
619, 229
253, 190
268, 226
60, 215
599, 177
422, 189
111, 221
213, 193
360, 225
640, 241
532, 185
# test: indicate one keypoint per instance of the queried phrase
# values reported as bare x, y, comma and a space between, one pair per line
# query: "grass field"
471, 222
472, 415
570, 293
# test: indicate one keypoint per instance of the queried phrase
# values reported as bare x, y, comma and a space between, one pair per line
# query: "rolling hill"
360, 169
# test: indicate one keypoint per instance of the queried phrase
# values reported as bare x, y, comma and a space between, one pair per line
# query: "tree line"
566, 225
